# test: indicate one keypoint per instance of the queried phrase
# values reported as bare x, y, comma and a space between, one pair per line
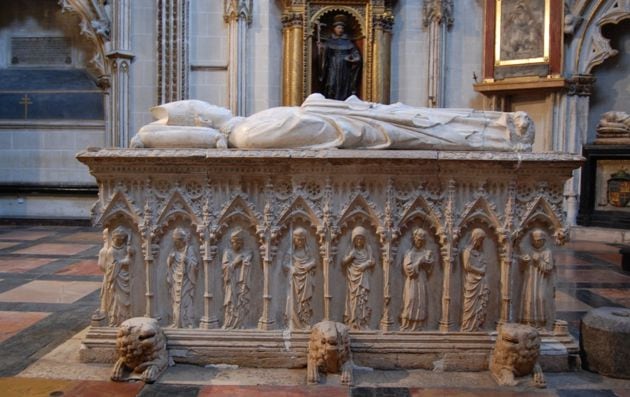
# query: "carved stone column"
173, 36
267, 236
437, 18
293, 58
238, 15
209, 252
447, 256
578, 98
381, 72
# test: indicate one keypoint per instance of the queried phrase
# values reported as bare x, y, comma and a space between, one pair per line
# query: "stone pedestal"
605, 341
388, 242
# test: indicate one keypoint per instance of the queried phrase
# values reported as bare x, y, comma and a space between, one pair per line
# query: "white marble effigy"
422, 254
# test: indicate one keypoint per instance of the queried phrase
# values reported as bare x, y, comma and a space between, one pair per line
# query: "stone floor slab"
21, 265
13, 322
25, 235
44, 291
55, 249
86, 267
568, 303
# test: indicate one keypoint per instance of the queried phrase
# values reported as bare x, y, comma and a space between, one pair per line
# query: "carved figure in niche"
340, 62
537, 267
236, 265
329, 351
114, 259
141, 349
476, 291
416, 265
516, 354
357, 261
181, 278
300, 266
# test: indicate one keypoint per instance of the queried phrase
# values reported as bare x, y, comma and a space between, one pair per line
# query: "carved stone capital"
384, 21
581, 84
292, 19
235, 10
439, 11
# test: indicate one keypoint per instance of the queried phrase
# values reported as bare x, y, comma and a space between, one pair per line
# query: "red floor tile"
21, 265
24, 235
620, 296
104, 389
84, 237
87, 267
611, 258
589, 246
55, 249
273, 391
13, 322
564, 258
444, 392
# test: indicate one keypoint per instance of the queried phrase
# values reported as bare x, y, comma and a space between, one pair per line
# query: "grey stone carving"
141, 350
416, 265
299, 264
183, 267
357, 262
516, 354
114, 259
537, 266
236, 265
613, 128
476, 292
329, 352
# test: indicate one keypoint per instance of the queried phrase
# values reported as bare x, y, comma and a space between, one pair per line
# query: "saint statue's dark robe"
340, 68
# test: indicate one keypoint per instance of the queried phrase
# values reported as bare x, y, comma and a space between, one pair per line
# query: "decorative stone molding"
265, 196
581, 85
437, 11
233, 10
238, 15
173, 43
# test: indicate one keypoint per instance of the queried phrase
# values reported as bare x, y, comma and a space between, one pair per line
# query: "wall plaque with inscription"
40, 51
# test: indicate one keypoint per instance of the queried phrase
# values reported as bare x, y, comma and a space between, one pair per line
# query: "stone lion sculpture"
329, 351
141, 348
516, 354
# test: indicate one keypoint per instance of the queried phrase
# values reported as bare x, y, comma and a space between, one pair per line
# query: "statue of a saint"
115, 260
416, 266
340, 63
300, 266
236, 265
357, 261
181, 278
476, 291
537, 266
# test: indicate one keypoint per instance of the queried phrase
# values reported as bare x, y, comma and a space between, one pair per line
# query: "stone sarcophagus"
421, 254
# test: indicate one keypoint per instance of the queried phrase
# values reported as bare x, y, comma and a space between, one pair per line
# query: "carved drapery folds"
437, 19
308, 25
173, 62
238, 15
107, 25
392, 248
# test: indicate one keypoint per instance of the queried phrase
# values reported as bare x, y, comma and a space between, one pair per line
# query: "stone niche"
231, 289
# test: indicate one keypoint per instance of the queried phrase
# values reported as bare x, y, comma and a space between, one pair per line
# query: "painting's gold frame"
524, 61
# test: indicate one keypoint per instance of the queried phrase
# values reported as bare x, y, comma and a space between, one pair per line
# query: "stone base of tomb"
455, 351
147, 197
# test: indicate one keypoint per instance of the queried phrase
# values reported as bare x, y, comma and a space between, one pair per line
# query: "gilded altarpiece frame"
369, 26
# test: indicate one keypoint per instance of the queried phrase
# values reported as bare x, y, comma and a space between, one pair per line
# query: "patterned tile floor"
49, 286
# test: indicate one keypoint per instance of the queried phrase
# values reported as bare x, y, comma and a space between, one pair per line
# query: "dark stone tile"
380, 392
164, 390
594, 300
585, 393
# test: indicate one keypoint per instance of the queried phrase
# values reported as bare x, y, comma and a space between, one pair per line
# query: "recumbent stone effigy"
422, 252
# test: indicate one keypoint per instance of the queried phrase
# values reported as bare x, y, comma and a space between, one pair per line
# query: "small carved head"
359, 235
477, 237
419, 237
120, 236
538, 238
236, 239
299, 238
339, 24
180, 238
